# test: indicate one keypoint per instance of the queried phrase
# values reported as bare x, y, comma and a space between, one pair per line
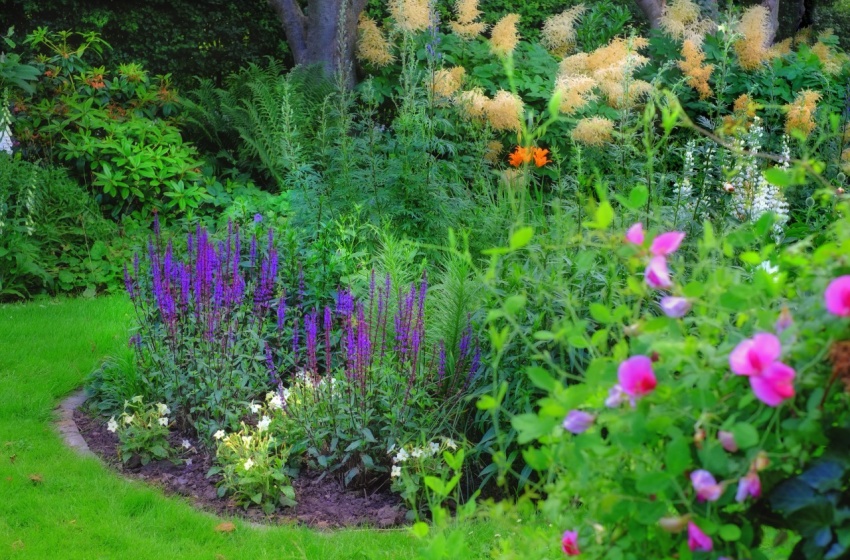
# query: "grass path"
77, 508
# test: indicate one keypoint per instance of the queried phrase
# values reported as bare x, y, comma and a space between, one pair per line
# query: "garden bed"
323, 502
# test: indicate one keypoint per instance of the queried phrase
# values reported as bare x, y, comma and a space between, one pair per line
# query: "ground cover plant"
55, 500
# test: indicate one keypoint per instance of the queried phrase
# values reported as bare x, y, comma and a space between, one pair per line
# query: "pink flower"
675, 307
706, 486
727, 440
775, 384
578, 421
569, 543
636, 376
837, 296
657, 275
697, 540
666, 243
753, 355
750, 485
635, 235
616, 396
772, 381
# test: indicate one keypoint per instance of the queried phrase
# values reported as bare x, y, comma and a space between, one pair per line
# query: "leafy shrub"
666, 449
142, 432
52, 236
252, 462
118, 132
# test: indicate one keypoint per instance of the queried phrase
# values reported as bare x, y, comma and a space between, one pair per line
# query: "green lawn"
82, 510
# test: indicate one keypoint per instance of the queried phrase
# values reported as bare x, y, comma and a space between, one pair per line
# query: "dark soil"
322, 501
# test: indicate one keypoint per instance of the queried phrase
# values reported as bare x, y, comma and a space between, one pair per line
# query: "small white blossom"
434, 447
401, 456
188, 462
163, 421
450, 443
128, 419
270, 395
263, 424
248, 464
163, 409
246, 440
396, 471
769, 267
255, 408
137, 399
417, 453
112, 425
186, 444
219, 434
276, 403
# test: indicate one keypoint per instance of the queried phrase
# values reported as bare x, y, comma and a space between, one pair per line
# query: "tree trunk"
773, 19
652, 9
324, 34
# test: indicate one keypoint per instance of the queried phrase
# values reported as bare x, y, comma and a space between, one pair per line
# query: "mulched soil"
323, 503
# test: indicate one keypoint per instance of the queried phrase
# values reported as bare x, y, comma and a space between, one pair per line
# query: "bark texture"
652, 9
323, 34
773, 19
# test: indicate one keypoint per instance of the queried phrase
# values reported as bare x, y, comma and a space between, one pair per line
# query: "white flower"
396, 471
401, 456
112, 425
255, 408
248, 464
186, 444
270, 395
450, 443
137, 399
769, 267
188, 462
219, 434
276, 403
128, 418
417, 452
163, 421
263, 424
163, 409
246, 440
434, 447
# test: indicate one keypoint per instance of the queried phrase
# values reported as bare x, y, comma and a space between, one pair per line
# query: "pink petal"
752, 355
675, 307
636, 376
775, 384
657, 275
569, 543
666, 243
749, 485
837, 296
697, 540
706, 486
635, 234
727, 440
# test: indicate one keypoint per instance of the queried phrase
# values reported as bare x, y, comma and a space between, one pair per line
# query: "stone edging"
66, 425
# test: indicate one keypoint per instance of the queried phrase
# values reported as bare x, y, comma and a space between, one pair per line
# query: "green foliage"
181, 38
118, 132
142, 432
53, 236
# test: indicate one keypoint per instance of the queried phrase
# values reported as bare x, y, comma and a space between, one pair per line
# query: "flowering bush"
142, 431
706, 393
252, 462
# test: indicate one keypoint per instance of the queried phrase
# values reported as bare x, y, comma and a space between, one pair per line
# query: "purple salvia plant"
311, 330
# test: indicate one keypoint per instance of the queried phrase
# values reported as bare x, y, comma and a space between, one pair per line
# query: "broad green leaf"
521, 237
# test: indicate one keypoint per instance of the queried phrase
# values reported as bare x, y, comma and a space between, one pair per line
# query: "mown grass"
81, 510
